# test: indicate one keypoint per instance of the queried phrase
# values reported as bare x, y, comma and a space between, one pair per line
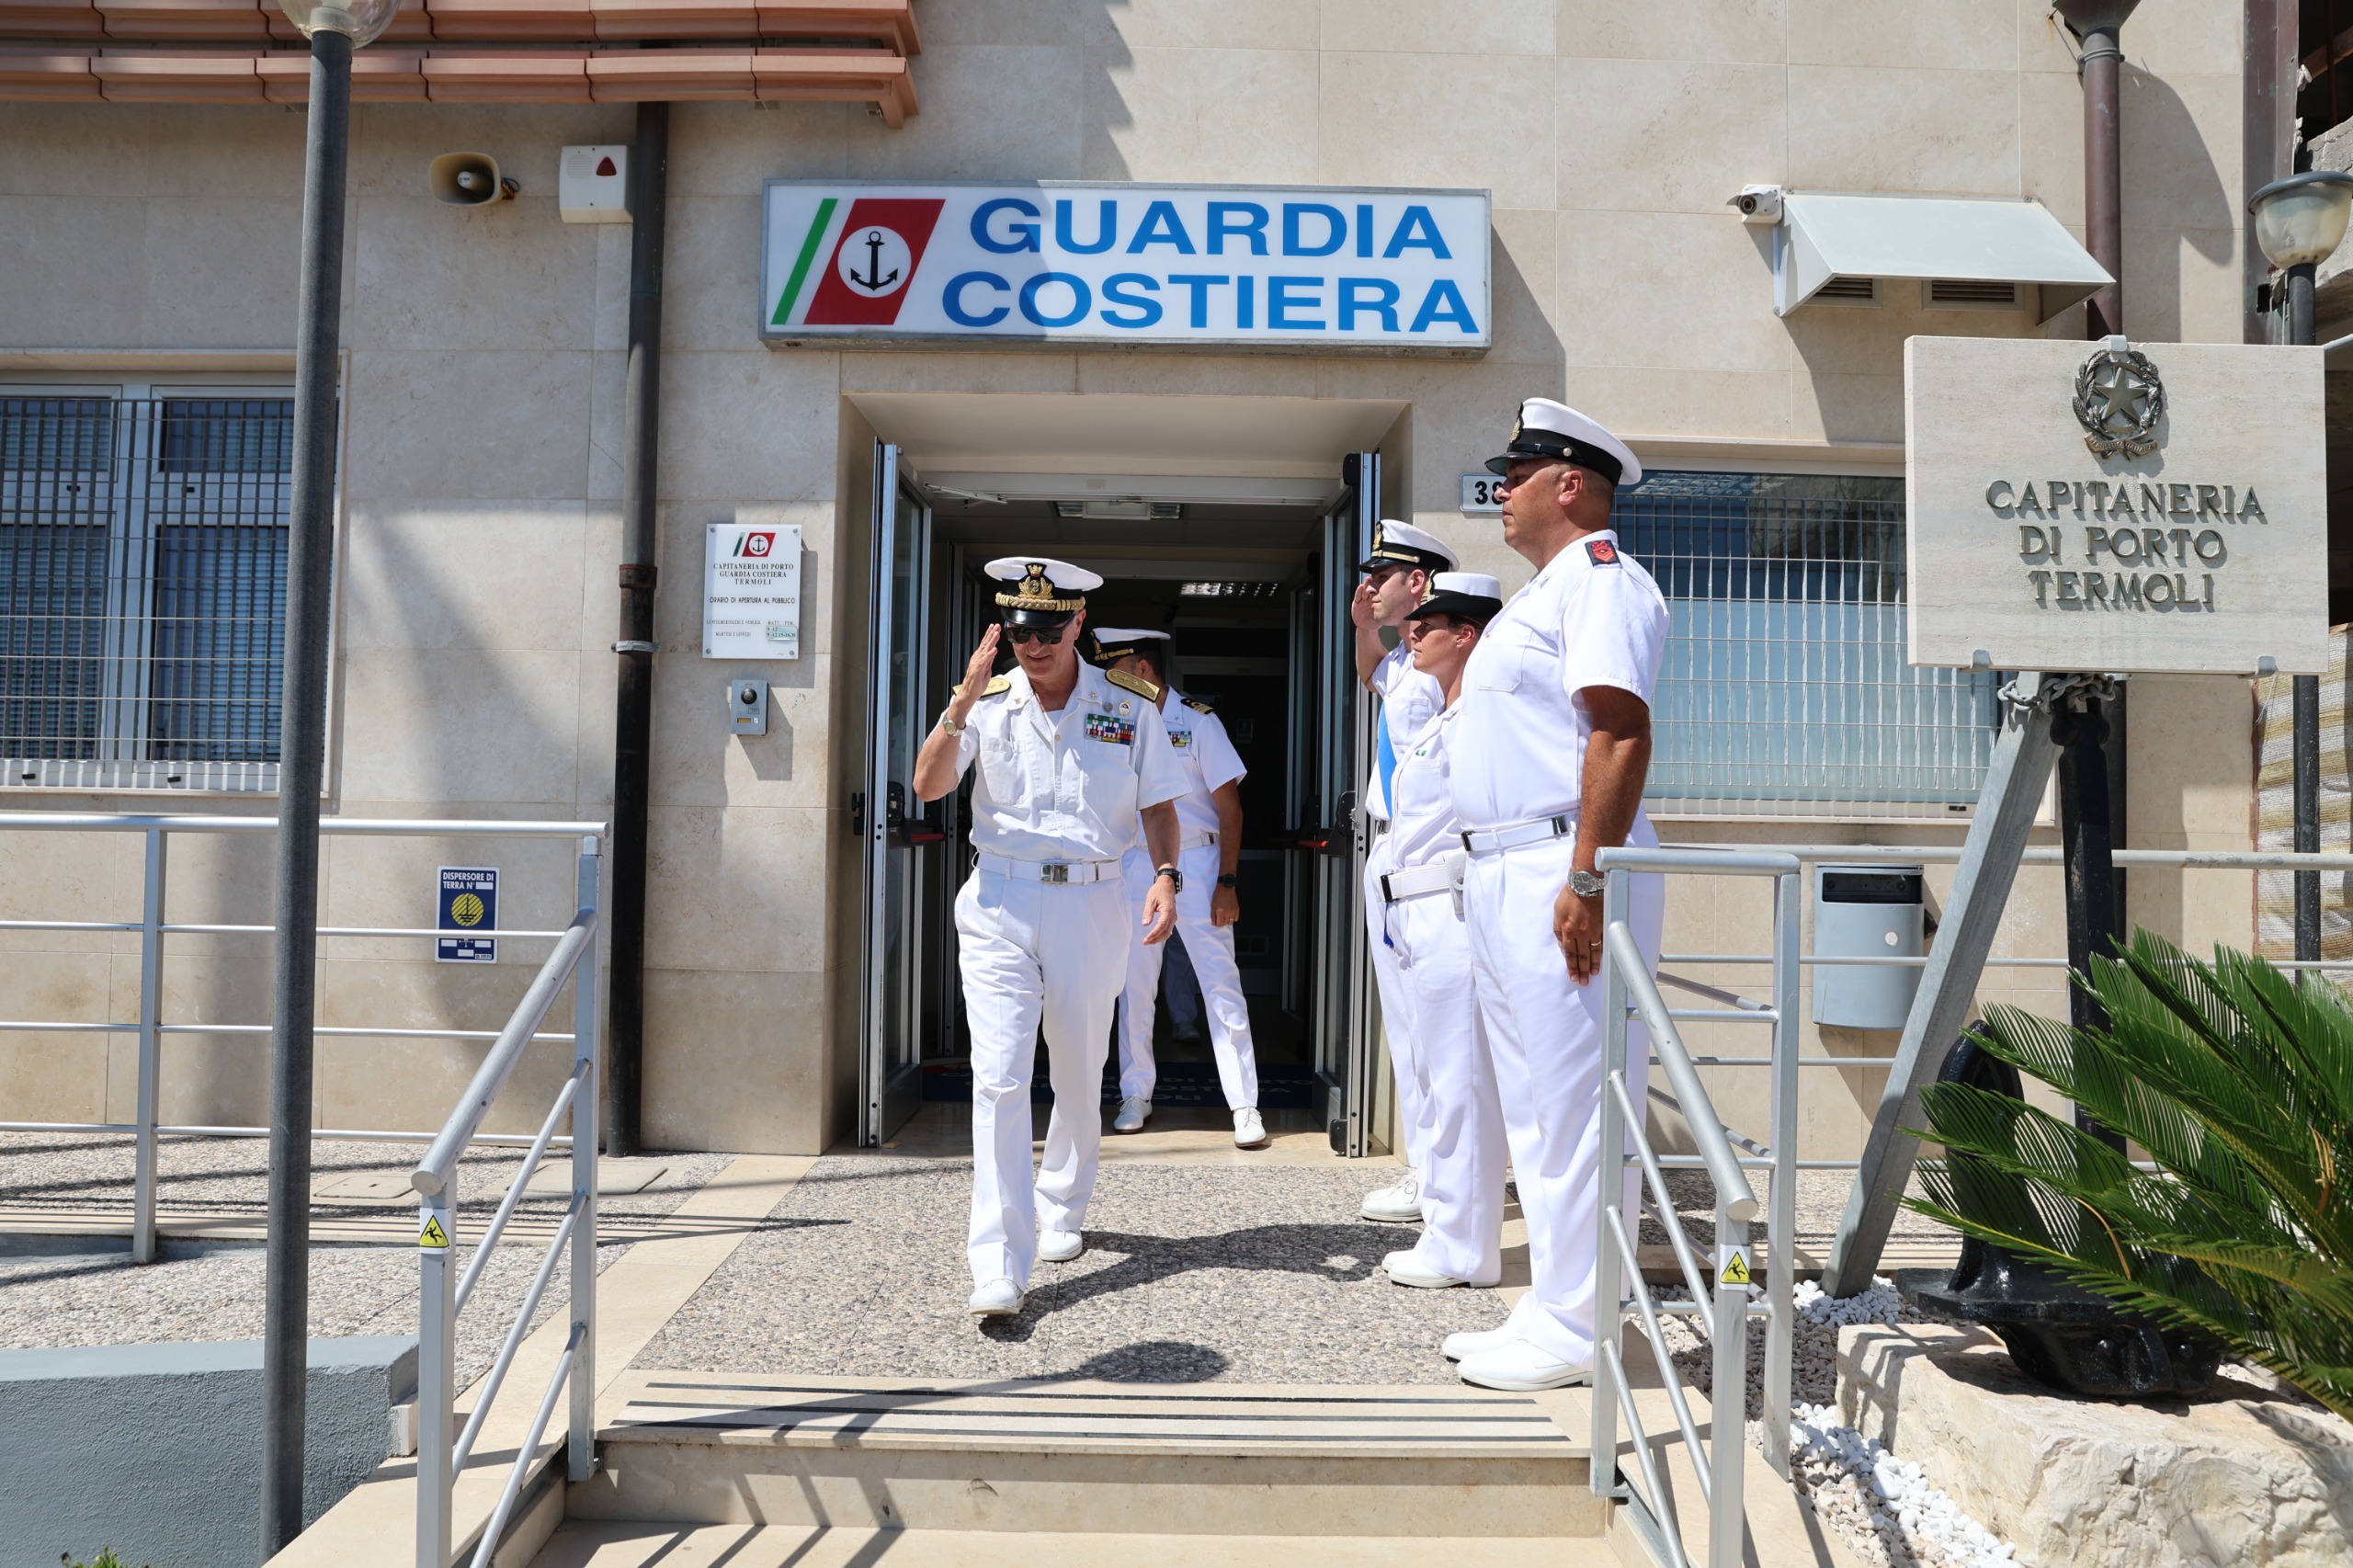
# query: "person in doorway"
1546, 762
1074, 767
1397, 577
1460, 1139
1208, 816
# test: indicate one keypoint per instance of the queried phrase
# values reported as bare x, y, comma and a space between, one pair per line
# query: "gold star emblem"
2122, 397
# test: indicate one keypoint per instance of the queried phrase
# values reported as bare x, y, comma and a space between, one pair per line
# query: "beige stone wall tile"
2181, 286
757, 422
2180, 153
1009, 23
1643, 401
729, 149
1668, 291
1231, 115
711, 284
2050, 121
958, 371
1444, 27
1461, 135
1894, 35
2178, 37
1140, 25
49, 1077
1833, 406
223, 150
98, 302
607, 425
1698, 29
732, 886
2045, 47
505, 276
221, 271
1524, 309
81, 149
465, 426
1677, 136
429, 576
736, 1061
1950, 131
990, 112
436, 724
1189, 375
696, 762
610, 333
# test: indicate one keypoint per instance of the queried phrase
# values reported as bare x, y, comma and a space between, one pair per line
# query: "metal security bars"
1785, 690
142, 590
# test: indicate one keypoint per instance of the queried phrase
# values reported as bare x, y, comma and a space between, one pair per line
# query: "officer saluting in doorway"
1075, 767
1547, 759
1209, 814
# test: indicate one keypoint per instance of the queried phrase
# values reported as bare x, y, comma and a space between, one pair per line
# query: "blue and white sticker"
467, 901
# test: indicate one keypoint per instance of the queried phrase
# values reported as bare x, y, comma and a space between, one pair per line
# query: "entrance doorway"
1252, 576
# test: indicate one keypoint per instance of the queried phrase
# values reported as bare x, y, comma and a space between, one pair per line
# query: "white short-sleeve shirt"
1424, 826
1592, 617
1409, 700
1068, 785
1207, 755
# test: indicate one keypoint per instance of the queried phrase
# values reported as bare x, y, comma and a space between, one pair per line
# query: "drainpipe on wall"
634, 699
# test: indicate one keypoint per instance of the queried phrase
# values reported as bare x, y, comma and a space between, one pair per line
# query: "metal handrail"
363, 827
1736, 1199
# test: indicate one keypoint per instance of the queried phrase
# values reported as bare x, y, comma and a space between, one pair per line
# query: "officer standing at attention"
1547, 759
1397, 577
1073, 767
1208, 815
1461, 1136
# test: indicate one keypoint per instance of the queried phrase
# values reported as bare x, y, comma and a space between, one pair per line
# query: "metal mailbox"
1866, 912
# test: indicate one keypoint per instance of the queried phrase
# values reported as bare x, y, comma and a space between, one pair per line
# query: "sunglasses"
1049, 635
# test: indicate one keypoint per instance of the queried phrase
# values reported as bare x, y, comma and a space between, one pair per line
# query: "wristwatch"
952, 726
1587, 884
1176, 877
1226, 880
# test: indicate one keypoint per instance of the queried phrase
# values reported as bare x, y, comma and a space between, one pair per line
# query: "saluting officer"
1208, 815
1075, 767
1397, 577
1460, 1139
1547, 759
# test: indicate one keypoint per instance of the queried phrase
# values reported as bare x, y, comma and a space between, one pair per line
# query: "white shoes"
1522, 1368
1406, 1267
1461, 1346
1398, 1205
997, 1299
1249, 1129
1059, 1246
1134, 1112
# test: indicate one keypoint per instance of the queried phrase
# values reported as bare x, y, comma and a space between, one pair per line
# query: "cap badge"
1603, 552
1518, 424
1035, 585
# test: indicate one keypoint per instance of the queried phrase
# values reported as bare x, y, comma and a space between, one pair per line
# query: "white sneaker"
1398, 1205
1059, 1246
997, 1299
1134, 1112
1249, 1129
1460, 1346
1406, 1267
1521, 1367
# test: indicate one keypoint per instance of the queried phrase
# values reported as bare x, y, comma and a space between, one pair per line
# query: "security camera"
1758, 203
468, 179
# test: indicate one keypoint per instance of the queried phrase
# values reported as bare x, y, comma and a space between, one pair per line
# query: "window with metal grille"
142, 590
1785, 690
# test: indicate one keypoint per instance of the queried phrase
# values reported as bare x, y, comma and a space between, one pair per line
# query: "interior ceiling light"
1229, 590
1122, 509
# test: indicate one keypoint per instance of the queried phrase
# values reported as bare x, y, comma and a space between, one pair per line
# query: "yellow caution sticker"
1734, 1270
432, 1235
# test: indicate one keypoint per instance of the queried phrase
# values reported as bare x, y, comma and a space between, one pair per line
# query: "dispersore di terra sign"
1315, 268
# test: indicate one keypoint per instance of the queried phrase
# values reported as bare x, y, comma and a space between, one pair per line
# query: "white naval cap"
1473, 597
1403, 544
1549, 429
1042, 591
1116, 643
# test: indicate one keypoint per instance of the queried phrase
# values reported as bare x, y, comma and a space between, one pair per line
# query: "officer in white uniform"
1397, 577
1208, 815
1074, 767
1547, 759
1461, 1135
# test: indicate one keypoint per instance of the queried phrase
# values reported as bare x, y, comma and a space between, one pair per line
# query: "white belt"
1198, 841
1519, 835
1419, 882
1054, 873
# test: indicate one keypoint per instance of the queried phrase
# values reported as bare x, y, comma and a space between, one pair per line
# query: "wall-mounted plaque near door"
751, 591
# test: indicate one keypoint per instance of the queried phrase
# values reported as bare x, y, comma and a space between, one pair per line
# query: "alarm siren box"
592, 185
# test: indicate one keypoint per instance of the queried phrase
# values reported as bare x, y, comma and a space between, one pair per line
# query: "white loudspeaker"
468, 179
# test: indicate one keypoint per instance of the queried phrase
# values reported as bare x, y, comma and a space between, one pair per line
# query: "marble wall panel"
733, 886
1948, 131
1204, 24
432, 574
1672, 136
509, 276
711, 273
735, 1059
222, 271
756, 421
77, 270
990, 112
1699, 29
446, 724
1670, 290
465, 425
1226, 114
1895, 37
1491, 128
53, 1077
77, 150
723, 149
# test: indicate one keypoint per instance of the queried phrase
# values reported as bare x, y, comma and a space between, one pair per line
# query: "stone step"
1079, 1458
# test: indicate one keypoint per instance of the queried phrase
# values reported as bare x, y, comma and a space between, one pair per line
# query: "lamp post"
335, 31
2299, 221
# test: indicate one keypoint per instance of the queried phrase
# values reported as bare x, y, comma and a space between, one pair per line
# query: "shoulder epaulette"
1198, 706
1136, 684
997, 687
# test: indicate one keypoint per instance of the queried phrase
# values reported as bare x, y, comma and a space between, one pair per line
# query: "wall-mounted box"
592, 185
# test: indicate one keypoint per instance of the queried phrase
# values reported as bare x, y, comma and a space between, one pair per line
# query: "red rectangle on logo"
874, 265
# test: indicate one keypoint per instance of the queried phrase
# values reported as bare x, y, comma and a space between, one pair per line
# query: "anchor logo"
884, 255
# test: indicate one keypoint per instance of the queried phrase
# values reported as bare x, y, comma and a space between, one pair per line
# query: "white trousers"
1210, 946
1034, 955
1461, 1134
1397, 1003
1544, 1031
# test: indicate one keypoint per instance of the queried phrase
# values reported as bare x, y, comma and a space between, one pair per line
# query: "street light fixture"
2300, 222
335, 31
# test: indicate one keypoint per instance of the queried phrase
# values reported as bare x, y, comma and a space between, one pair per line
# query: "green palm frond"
2238, 1083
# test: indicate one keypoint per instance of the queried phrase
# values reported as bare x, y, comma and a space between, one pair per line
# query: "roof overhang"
1830, 234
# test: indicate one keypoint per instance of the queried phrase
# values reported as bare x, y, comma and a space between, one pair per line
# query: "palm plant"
2238, 1082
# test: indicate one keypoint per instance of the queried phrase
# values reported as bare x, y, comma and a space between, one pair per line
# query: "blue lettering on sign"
1382, 303
1161, 226
1444, 302
952, 300
1282, 301
1082, 298
1106, 229
1199, 285
1364, 228
1246, 313
1335, 228
1221, 227
1019, 237
1118, 290
1416, 230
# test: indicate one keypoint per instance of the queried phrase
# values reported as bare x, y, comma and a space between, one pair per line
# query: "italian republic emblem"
2118, 400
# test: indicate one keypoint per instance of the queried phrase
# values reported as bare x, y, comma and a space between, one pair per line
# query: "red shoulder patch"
1602, 551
